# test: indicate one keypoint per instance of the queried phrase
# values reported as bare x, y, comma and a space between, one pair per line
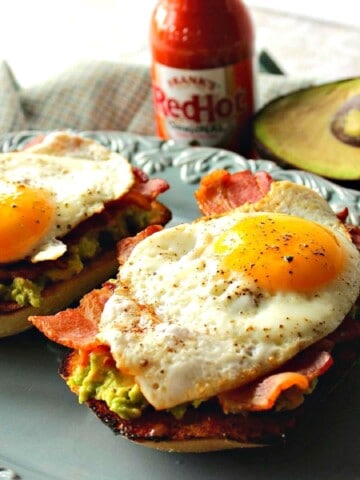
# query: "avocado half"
315, 129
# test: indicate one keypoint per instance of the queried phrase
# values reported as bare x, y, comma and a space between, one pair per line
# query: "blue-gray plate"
46, 435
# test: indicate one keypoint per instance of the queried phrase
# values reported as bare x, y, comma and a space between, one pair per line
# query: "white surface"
346, 12
39, 39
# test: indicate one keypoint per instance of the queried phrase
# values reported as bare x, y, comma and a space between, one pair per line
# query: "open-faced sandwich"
64, 203
216, 334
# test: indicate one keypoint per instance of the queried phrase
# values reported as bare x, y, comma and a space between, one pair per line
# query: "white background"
39, 38
343, 12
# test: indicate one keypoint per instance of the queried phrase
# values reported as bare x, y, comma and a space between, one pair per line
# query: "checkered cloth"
90, 96
95, 96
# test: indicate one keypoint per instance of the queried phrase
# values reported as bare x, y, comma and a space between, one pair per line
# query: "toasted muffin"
219, 333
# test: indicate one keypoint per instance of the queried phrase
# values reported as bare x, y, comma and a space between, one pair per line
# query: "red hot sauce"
202, 72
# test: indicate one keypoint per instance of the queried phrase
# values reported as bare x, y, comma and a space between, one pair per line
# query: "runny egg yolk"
280, 252
26, 215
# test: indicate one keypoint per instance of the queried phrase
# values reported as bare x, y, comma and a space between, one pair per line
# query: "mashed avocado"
103, 382
22, 291
87, 247
128, 221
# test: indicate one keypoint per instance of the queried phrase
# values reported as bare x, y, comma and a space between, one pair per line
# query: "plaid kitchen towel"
89, 96
96, 96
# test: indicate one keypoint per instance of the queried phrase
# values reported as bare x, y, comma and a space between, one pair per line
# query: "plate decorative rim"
155, 155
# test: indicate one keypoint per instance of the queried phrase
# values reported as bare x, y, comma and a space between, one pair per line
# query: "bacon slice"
354, 231
145, 190
342, 215
263, 394
77, 327
149, 187
221, 191
126, 245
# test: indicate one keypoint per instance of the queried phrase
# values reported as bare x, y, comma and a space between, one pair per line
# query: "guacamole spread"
22, 291
25, 292
102, 381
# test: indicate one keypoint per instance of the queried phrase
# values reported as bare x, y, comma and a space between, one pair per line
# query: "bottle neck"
195, 5
201, 33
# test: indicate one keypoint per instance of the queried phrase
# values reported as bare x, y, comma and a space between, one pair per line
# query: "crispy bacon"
144, 191
76, 327
148, 187
342, 215
221, 191
126, 245
208, 420
354, 231
262, 394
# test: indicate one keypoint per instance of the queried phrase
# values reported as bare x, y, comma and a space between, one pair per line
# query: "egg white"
186, 331
79, 175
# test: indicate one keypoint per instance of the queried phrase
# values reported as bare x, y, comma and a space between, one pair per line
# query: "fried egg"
209, 306
50, 188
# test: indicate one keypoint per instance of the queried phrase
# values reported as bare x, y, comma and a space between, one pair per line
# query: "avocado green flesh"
98, 380
296, 130
101, 380
352, 123
26, 292
22, 291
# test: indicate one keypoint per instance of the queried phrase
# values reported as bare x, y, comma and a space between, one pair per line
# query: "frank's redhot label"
211, 107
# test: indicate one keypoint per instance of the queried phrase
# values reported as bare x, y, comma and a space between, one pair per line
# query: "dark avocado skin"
304, 130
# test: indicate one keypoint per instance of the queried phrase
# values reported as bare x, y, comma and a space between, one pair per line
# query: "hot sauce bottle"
202, 72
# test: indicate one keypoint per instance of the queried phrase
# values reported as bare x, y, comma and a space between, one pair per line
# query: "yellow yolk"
280, 252
26, 215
